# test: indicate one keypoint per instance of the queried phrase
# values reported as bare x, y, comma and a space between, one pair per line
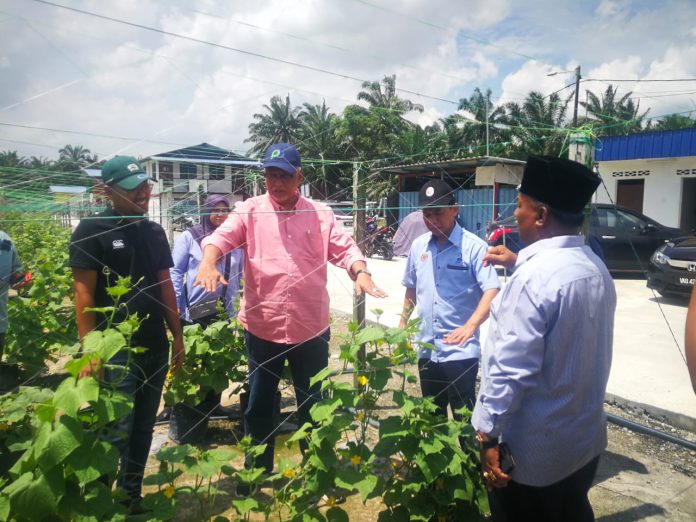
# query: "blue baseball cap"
283, 156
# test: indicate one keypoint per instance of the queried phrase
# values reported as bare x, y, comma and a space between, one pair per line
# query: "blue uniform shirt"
9, 264
449, 282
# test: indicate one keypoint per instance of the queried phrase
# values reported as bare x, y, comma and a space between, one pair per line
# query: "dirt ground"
640, 477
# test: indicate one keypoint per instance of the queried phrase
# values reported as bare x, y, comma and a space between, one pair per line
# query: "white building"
653, 173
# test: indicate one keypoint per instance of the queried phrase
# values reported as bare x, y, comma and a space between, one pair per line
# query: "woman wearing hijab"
196, 306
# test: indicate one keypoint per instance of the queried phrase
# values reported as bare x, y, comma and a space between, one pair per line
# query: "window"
188, 171
166, 170
217, 172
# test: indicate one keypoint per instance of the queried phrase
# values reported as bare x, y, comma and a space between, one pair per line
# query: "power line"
234, 49
643, 80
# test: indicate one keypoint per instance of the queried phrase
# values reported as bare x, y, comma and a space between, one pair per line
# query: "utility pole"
577, 95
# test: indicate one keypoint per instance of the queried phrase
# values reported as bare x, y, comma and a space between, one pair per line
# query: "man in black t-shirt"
122, 242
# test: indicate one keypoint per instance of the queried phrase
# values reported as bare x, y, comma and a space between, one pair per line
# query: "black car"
627, 238
672, 269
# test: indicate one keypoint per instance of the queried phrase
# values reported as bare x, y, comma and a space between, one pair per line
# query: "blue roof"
662, 144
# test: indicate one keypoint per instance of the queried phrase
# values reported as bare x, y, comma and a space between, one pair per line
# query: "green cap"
124, 171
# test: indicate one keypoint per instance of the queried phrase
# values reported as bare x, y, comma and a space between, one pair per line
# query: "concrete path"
648, 367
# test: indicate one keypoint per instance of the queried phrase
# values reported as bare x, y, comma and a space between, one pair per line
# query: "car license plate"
687, 281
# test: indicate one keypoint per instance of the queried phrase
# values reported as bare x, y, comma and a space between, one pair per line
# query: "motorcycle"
379, 240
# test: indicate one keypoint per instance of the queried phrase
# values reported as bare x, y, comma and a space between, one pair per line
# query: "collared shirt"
546, 361
285, 297
449, 282
9, 264
187, 255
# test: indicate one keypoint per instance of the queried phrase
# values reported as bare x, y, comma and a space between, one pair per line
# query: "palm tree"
319, 139
278, 125
10, 158
387, 98
72, 158
672, 122
536, 125
615, 115
487, 127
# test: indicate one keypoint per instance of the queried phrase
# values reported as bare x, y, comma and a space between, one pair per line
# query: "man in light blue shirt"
445, 278
546, 361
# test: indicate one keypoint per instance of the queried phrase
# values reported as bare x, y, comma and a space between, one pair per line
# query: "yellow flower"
169, 491
362, 380
355, 460
330, 501
409, 345
360, 416
289, 473
4, 426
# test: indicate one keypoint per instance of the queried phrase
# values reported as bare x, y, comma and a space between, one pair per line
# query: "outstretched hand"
500, 255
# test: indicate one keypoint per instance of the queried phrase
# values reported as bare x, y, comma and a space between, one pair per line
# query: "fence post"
359, 204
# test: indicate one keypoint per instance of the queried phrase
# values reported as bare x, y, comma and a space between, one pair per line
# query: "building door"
629, 194
688, 205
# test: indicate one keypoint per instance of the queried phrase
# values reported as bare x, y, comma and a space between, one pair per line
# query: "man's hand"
178, 353
500, 255
208, 276
492, 474
460, 335
364, 283
93, 369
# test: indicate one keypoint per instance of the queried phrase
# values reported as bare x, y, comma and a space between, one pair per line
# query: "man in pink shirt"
287, 241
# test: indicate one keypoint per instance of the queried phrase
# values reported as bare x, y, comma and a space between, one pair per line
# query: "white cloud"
109, 78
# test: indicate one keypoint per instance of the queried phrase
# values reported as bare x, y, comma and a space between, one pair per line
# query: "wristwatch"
486, 444
363, 271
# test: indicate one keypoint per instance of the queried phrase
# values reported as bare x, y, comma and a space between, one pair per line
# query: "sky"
142, 77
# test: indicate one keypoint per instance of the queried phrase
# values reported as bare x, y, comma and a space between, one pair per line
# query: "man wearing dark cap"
446, 279
122, 242
547, 357
287, 240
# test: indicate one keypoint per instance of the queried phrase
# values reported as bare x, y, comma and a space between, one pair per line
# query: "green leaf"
175, 453
32, 498
4, 507
324, 410
65, 438
320, 376
73, 393
369, 334
89, 462
105, 344
245, 505
336, 514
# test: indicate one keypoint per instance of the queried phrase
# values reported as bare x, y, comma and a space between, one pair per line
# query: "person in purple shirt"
546, 361
195, 305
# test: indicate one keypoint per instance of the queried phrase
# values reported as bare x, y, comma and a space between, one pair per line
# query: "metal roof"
452, 164
205, 153
662, 144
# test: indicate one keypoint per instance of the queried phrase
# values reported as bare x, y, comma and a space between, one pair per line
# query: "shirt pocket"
462, 267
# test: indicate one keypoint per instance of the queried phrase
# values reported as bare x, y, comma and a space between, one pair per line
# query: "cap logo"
275, 154
430, 191
133, 167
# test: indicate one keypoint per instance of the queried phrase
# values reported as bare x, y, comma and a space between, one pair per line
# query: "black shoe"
164, 415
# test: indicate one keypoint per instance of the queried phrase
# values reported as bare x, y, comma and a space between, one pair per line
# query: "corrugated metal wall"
507, 201
664, 144
475, 207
